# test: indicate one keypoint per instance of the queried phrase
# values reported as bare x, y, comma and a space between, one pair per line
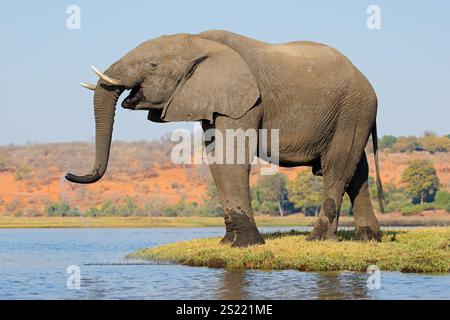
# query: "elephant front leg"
233, 187
327, 222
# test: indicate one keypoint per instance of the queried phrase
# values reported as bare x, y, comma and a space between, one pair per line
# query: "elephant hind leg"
366, 223
338, 167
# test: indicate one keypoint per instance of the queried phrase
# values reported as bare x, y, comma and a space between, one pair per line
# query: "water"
33, 264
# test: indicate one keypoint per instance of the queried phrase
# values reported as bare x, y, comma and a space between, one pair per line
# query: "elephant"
323, 107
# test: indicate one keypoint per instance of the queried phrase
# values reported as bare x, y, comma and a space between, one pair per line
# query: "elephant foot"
321, 231
248, 238
367, 234
227, 238
241, 230
330, 236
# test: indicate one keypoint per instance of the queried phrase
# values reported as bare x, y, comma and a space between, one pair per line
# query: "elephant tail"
380, 195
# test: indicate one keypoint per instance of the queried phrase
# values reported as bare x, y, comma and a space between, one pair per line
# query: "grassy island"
424, 250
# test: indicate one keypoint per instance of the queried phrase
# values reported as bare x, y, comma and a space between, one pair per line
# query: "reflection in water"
233, 285
344, 285
291, 284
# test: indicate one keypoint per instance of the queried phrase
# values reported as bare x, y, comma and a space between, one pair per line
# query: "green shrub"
128, 207
169, 211
411, 209
395, 198
92, 212
108, 209
185, 209
442, 199
154, 206
61, 209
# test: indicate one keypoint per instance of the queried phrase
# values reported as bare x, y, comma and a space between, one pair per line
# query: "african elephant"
322, 105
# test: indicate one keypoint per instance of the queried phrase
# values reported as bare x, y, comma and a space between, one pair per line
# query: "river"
34, 265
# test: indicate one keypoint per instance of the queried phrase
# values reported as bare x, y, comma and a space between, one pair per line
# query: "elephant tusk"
110, 80
88, 85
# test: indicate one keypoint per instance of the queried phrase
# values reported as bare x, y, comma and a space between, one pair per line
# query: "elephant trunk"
105, 99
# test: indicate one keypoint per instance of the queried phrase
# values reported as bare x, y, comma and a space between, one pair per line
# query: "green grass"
418, 250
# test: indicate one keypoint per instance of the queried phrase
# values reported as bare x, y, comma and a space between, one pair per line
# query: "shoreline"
295, 220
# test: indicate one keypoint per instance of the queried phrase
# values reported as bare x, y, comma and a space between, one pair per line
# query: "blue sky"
42, 62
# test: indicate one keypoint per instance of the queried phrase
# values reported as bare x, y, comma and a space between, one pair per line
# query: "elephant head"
177, 78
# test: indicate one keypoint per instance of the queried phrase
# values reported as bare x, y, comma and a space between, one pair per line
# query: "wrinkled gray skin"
324, 108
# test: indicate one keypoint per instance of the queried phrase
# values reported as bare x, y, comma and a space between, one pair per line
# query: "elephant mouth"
135, 97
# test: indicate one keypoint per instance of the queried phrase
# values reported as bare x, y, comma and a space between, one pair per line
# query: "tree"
306, 192
407, 144
387, 141
270, 194
433, 143
421, 181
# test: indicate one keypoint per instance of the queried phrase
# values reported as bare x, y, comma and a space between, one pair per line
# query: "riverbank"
142, 222
298, 220
425, 250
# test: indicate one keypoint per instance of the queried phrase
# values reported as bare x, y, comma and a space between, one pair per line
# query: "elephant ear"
216, 81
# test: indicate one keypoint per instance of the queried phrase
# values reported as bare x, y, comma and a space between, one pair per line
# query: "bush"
92, 212
183, 209
128, 207
442, 199
395, 198
155, 206
411, 209
3, 163
108, 209
407, 144
169, 211
432, 143
61, 209
22, 173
